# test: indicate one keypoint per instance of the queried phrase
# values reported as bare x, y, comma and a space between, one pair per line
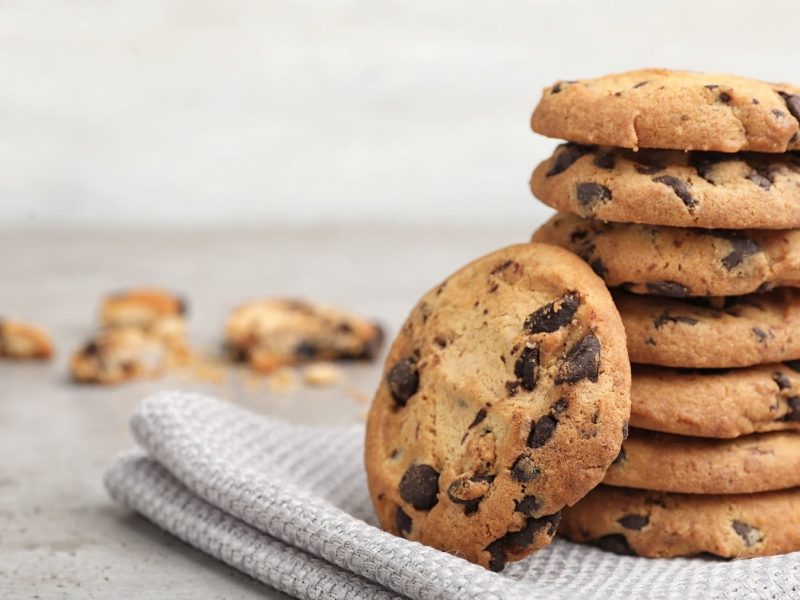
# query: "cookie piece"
654, 524
716, 403
736, 331
24, 341
678, 110
503, 399
277, 332
118, 354
679, 262
665, 187
157, 312
671, 463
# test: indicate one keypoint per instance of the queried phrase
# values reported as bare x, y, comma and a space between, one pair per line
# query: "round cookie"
654, 524
666, 187
671, 463
737, 331
716, 403
117, 354
504, 398
678, 110
155, 311
679, 262
24, 341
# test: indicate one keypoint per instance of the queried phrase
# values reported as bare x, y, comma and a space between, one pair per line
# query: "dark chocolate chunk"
665, 318
565, 157
794, 405
402, 522
616, 543
479, 417
512, 387
749, 534
741, 248
604, 160
529, 505
306, 349
525, 369
761, 335
517, 541
724, 97
672, 289
636, 522
781, 380
403, 380
792, 103
524, 470
589, 194
541, 431
420, 486
91, 348
648, 169
581, 362
641, 83
680, 187
559, 406
554, 315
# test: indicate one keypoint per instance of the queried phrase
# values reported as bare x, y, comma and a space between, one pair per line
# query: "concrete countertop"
60, 534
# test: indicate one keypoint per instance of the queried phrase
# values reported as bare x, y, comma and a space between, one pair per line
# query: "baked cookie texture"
276, 332
679, 262
666, 187
24, 341
679, 110
117, 354
716, 403
504, 398
670, 463
155, 311
735, 331
654, 524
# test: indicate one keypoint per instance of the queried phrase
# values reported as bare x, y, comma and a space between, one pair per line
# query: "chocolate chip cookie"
503, 399
716, 403
678, 110
653, 524
663, 187
157, 312
671, 463
736, 331
24, 341
117, 354
679, 262
273, 333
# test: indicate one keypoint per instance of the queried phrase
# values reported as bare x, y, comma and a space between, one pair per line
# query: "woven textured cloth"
288, 505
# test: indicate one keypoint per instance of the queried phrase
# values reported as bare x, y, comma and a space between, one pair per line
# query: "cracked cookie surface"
679, 262
672, 463
679, 110
665, 187
715, 332
653, 524
504, 398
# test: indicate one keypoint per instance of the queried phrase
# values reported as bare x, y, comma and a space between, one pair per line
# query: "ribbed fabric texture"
288, 505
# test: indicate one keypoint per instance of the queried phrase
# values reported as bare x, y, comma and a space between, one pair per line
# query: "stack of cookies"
682, 191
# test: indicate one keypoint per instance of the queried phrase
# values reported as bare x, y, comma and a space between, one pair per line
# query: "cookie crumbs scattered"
322, 375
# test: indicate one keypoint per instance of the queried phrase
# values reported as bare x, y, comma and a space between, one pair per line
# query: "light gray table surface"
60, 534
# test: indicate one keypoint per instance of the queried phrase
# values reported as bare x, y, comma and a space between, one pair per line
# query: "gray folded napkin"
288, 505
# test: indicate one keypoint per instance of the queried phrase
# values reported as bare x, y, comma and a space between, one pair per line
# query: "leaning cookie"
504, 398
679, 262
716, 403
737, 331
653, 524
157, 312
118, 354
24, 341
670, 463
277, 332
663, 187
679, 110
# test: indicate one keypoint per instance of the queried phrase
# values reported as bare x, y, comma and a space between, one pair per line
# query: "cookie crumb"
322, 375
358, 395
283, 381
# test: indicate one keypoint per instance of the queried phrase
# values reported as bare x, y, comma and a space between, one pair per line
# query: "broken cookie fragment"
24, 341
117, 354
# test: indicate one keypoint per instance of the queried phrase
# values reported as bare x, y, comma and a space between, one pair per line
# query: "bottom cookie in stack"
685, 493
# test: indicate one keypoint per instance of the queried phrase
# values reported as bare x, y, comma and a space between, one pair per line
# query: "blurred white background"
192, 113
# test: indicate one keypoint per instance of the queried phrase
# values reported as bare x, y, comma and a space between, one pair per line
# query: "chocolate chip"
598, 267
527, 366
650, 341
517, 541
529, 505
403, 380
604, 160
665, 318
566, 155
625, 431
635, 522
760, 334
581, 362
792, 103
673, 289
554, 315
559, 406
589, 194
524, 470
183, 306
711, 86
402, 522
794, 365
680, 187
742, 248
648, 169
781, 380
778, 114
479, 417
640, 84
541, 431
704, 163
794, 405
616, 543
512, 387
91, 348
306, 349
577, 235
420, 486
749, 534
724, 97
